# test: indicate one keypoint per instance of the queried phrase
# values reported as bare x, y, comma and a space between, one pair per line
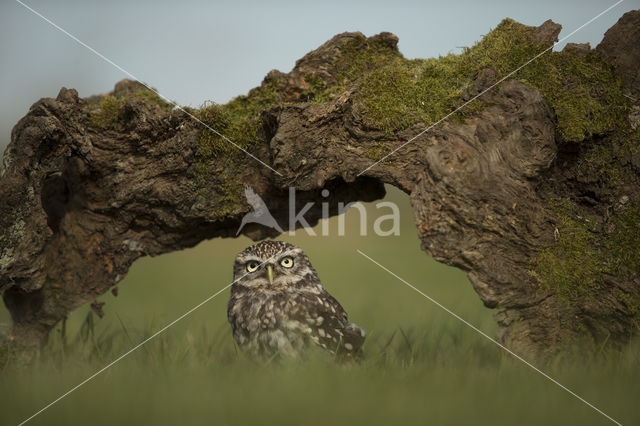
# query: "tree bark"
81, 203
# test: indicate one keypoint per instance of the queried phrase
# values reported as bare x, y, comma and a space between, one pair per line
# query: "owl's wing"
328, 322
237, 321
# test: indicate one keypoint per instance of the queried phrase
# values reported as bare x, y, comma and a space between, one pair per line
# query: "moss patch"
358, 57
623, 245
241, 130
378, 151
107, 112
397, 93
584, 91
228, 189
318, 93
232, 126
152, 97
605, 159
573, 266
238, 120
231, 197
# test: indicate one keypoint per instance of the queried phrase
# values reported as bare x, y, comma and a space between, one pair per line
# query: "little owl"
278, 306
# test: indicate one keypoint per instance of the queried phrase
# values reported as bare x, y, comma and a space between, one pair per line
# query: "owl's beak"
270, 273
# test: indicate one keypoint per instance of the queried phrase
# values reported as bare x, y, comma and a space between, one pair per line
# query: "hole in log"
55, 197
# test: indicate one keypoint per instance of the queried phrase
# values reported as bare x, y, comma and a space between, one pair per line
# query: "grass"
421, 365
194, 375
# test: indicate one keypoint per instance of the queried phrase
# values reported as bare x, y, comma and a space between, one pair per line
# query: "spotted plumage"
278, 306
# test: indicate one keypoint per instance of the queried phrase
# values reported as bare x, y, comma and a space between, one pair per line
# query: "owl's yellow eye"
286, 262
252, 266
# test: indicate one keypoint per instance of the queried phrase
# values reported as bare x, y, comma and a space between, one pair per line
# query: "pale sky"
194, 51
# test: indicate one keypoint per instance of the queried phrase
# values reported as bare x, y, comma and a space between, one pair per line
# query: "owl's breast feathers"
286, 322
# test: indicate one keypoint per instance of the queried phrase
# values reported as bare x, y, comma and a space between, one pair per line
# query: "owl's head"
273, 265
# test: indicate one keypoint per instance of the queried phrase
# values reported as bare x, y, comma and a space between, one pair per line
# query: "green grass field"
421, 366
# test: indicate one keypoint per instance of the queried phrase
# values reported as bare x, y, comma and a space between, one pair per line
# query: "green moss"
623, 244
397, 93
632, 302
582, 89
107, 112
378, 151
318, 92
394, 93
574, 265
153, 97
407, 92
361, 56
358, 58
238, 120
211, 143
231, 197
605, 160
229, 190
585, 93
